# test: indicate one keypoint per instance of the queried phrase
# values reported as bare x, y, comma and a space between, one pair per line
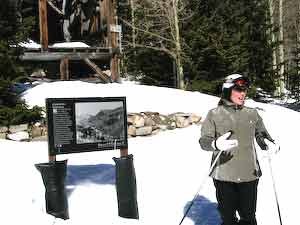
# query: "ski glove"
272, 146
265, 142
223, 143
261, 138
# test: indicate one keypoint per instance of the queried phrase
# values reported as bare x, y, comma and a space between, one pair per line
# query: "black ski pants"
237, 197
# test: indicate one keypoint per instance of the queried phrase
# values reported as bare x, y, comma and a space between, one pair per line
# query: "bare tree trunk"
132, 5
180, 78
281, 51
298, 35
298, 49
271, 12
158, 28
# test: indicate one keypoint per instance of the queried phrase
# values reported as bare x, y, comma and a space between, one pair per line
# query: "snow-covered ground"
169, 166
33, 45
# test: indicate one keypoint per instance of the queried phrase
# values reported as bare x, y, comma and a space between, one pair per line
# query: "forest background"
187, 44
258, 38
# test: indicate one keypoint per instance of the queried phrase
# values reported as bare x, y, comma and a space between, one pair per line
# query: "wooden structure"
110, 51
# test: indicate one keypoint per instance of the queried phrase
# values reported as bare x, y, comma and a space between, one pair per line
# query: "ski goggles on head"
241, 84
237, 82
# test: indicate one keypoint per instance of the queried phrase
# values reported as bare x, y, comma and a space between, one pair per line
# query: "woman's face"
238, 96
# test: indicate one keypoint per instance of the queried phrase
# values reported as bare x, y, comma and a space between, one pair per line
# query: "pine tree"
13, 30
228, 37
8, 69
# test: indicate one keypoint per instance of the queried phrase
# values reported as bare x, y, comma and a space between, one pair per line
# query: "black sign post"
78, 125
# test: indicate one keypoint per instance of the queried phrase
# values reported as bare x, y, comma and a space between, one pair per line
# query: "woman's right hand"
222, 143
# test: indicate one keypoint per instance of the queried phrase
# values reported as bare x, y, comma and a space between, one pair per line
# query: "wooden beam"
54, 7
103, 76
64, 69
57, 56
112, 35
107, 13
43, 24
103, 21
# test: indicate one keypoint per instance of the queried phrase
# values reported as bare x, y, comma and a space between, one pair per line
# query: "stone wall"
149, 123
23, 132
139, 124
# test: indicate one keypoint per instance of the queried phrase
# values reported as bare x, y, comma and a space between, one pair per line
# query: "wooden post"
103, 21
43, 24
124, 152
112, 38
107, 5
52, 158
64, 69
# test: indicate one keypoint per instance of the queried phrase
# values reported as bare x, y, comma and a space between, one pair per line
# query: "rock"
18, 136
155, 127
139, 124
182, 122
17, 128
163, 127
142, 131
148, 113
149, 121
130, 118
156, 118
193, 118
131, 131
155, 131
38, 73
172, 125
163, 118
2, 135
37, 124
168, 121
36, 131
3, 129
181, 114
138, 121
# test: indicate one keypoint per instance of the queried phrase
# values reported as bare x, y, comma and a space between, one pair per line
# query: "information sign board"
86, 124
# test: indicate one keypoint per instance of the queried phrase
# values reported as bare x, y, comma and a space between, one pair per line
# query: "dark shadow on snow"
97, 174
203, 212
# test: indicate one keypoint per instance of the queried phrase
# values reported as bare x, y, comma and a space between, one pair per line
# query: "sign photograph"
86, 124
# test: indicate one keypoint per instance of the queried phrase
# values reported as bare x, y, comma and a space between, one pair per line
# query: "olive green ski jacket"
241, 163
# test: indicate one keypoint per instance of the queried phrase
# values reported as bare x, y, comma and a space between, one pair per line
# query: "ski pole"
274, 187
201, 185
